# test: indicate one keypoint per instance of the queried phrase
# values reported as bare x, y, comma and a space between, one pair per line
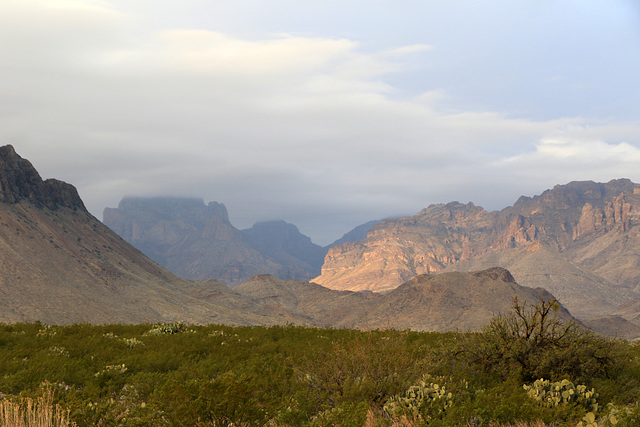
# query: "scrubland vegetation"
525, 369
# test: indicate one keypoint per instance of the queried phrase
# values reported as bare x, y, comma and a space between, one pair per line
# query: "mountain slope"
59, 264
537, 265
440, 302
284, 244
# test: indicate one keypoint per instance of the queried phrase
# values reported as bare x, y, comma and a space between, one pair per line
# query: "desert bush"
364, 366
532, 342
281, 375
168, 328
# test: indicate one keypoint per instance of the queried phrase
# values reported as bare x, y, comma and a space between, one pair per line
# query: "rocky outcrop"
20, 181
615, 213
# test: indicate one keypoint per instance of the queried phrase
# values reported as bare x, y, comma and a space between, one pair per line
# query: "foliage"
532, 342
122, 375
168, 329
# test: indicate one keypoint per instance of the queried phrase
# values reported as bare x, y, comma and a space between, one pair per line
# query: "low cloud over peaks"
325, 128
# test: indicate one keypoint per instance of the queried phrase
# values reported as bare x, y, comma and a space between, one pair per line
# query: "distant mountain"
358, 233
197, 241
284, 244
59, 264
581, 241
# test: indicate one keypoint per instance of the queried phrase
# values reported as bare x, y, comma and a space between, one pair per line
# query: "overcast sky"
323, 113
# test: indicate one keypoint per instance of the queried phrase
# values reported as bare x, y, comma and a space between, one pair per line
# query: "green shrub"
345, 415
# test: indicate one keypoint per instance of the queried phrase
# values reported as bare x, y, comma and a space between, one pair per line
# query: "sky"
323, 113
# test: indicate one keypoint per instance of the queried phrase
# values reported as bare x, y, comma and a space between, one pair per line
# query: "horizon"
244, 227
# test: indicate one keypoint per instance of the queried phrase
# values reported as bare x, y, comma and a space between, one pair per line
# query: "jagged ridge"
19, 180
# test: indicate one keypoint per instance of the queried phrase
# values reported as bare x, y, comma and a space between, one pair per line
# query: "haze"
325, 114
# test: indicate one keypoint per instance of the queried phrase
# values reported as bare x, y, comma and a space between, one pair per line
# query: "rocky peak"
283, 241
496, 273
187, 209
20, 181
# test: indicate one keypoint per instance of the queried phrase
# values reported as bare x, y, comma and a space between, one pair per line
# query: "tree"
532, 342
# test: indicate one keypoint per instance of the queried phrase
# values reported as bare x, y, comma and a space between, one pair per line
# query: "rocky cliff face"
20, 181
590, 226
196, 241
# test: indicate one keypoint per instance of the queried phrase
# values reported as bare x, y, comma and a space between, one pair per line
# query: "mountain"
197, 241
284, 244
581, 241
441, 302
358, 233
59, 264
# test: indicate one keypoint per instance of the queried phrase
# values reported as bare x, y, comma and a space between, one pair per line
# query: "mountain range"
580, 241
59, 264
197, 241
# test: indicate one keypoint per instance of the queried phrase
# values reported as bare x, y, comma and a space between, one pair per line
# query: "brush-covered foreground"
524, 369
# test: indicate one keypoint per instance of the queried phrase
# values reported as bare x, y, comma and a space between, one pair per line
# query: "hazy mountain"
283, 243
59, 264
358, 233
197, 241
579, 240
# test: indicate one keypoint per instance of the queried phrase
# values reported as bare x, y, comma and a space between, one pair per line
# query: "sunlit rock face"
580, 241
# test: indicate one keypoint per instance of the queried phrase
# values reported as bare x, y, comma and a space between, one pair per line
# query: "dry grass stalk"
28, 412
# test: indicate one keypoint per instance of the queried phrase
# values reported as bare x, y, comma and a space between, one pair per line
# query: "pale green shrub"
168, 329
557, 393
419, 401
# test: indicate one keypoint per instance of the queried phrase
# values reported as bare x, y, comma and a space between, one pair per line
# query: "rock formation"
19, 181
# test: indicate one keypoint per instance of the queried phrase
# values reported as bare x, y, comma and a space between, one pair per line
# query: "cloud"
310, 129
571, 155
